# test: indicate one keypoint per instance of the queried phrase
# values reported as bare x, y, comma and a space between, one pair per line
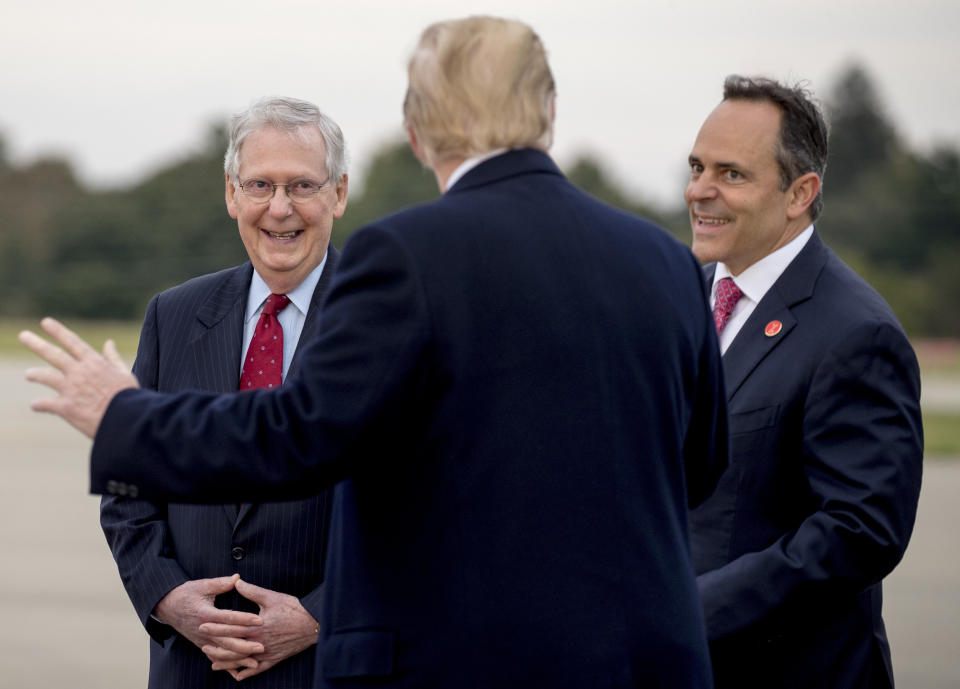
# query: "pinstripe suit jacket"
191, 339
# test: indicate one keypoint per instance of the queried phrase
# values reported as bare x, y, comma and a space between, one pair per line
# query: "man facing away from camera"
523, 385
286, 183
823, 390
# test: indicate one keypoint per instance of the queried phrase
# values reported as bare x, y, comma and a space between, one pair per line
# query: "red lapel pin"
773, 328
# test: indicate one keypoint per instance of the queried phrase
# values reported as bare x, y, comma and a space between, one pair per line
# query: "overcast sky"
121, 87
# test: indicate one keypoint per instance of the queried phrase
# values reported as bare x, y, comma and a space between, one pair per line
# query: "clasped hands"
241, 643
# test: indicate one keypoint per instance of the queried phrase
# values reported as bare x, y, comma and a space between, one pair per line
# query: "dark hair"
803, 130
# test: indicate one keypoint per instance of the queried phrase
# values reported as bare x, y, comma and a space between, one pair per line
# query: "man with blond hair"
523, 386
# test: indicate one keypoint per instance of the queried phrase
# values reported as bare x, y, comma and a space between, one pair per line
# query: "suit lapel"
216, 348
752, 344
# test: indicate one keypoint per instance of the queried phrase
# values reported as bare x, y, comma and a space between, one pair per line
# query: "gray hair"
291, 115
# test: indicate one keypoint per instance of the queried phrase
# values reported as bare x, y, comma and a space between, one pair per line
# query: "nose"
280, 205
699, 187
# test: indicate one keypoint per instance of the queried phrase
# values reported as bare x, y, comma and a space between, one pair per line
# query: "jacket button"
238, 553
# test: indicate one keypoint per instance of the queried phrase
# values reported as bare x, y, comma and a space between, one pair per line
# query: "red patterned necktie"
728, 294
263, 365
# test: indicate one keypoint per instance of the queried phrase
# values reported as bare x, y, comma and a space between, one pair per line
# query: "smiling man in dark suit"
823, 391
175, 559
523, 385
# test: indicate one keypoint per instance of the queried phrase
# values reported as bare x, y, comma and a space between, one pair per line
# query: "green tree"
862, 140
892, 213
102, 254
35, 196
395, 179
4, 156
587, 173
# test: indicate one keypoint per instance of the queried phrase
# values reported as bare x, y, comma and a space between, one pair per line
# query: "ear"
231, 196
341, 204
415, 146
546, 140
802, 193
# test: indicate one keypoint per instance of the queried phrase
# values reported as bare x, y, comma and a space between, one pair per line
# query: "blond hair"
478, 84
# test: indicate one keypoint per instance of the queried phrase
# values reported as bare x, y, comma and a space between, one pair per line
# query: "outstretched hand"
84, 380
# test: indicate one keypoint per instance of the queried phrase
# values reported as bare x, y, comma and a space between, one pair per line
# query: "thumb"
111, 354
252, 592
221, 584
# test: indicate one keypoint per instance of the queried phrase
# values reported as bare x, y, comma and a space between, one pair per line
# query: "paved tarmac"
66, 621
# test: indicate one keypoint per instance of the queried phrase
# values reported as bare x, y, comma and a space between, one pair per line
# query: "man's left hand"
287, 629
84, 380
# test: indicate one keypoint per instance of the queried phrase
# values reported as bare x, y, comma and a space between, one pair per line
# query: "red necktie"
263, 365
728, 294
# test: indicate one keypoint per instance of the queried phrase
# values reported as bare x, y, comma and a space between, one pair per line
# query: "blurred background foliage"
66, 250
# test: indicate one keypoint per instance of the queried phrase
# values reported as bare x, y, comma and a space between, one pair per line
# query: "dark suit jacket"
820, 497
524, 385
191, 340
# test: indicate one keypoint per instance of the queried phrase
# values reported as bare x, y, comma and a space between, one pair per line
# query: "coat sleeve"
862, 448
136, 530
360, 381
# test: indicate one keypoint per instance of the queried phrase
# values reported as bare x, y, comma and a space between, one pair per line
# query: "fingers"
237, 665
250, 672
242, 674
231, 648
54, 380
69, 340
111, 354
217, 585
252, 592
227, 658
48, 405
231, 630
50, 377
47, 351
244, 621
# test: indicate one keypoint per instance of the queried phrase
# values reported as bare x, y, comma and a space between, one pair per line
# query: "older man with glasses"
286, 182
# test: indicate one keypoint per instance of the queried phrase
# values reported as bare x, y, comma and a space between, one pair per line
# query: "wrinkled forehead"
306, 136
301, 149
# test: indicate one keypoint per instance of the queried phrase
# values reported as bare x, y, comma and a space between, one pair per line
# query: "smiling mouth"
283, 235
708, 221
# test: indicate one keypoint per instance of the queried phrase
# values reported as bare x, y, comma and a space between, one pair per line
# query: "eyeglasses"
299, 189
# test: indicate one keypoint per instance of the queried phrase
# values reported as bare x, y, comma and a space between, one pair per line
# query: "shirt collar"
468, 164
300, 296
757, 279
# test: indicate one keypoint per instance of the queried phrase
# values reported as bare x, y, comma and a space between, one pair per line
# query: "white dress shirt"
291, 319
755, 282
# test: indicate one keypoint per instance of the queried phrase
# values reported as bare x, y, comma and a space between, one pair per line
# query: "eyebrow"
691, 159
